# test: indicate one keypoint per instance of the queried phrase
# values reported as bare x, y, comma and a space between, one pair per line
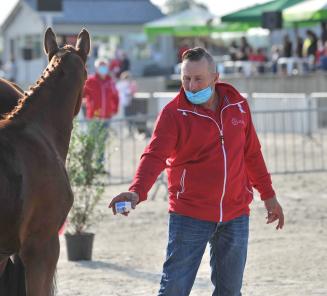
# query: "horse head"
55, 54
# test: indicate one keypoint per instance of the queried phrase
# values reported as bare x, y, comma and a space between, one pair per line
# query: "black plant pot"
79, 246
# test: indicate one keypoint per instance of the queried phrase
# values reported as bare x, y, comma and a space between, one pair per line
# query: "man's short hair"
197, 54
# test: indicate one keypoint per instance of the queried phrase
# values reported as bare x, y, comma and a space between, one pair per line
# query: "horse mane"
51, 72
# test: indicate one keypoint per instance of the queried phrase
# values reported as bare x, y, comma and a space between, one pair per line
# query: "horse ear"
83, 44
50, 43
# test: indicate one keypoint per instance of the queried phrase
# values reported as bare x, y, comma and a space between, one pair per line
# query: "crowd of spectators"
304, 55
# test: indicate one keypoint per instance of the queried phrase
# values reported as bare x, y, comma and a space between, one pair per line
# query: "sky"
218, 7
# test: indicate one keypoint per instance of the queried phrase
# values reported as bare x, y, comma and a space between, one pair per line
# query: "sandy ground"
129, 252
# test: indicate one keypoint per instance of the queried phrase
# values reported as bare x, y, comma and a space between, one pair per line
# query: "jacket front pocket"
182, 184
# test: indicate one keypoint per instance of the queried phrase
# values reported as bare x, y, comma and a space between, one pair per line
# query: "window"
32, 44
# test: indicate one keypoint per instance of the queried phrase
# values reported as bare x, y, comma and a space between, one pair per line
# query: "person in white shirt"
126, 87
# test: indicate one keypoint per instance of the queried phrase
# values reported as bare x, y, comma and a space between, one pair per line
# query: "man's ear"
216, 77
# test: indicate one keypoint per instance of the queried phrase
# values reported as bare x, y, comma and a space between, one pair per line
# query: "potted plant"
85, 168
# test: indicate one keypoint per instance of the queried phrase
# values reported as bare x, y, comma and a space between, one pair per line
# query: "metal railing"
289, 144
292, 129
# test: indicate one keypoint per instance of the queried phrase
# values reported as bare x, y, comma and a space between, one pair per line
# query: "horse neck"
53, 113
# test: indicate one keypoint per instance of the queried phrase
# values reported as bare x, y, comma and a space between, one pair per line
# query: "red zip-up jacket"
101, 97
213, 159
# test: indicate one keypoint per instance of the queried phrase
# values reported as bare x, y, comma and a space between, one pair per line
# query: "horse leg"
3, 264
12, 281
18, 276
40, 260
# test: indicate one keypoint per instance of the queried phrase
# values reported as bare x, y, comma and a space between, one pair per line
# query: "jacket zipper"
225, 175
182, 182
221, 138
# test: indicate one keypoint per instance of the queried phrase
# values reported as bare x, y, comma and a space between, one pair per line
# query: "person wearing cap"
100, 93
206, 141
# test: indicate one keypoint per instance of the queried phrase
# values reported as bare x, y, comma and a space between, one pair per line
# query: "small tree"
85, 167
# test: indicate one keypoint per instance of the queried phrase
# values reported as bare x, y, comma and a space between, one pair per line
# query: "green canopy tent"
252, 16
306, 13
193, 22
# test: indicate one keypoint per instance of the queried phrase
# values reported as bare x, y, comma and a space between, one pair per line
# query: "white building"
112, 24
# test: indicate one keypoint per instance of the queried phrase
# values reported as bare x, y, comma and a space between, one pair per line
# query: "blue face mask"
199, 97
103, 70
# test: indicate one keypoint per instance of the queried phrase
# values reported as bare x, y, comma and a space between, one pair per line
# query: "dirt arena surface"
129, 252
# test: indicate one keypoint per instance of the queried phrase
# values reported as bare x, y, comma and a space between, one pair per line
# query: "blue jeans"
187, 241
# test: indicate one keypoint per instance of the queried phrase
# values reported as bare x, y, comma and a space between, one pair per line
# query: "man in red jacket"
100, 93
206, 141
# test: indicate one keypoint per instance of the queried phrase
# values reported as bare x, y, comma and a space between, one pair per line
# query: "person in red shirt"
206, 141
184, 47
115, 64
100, 93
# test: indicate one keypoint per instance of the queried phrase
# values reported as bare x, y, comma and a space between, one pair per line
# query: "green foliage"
85, 167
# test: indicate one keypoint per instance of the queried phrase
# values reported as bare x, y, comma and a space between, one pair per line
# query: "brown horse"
12, 282
35, 194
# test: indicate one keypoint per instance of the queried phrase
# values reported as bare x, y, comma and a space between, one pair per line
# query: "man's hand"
275, 212
133, 197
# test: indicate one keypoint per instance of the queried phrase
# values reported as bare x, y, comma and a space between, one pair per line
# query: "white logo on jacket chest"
236, 121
